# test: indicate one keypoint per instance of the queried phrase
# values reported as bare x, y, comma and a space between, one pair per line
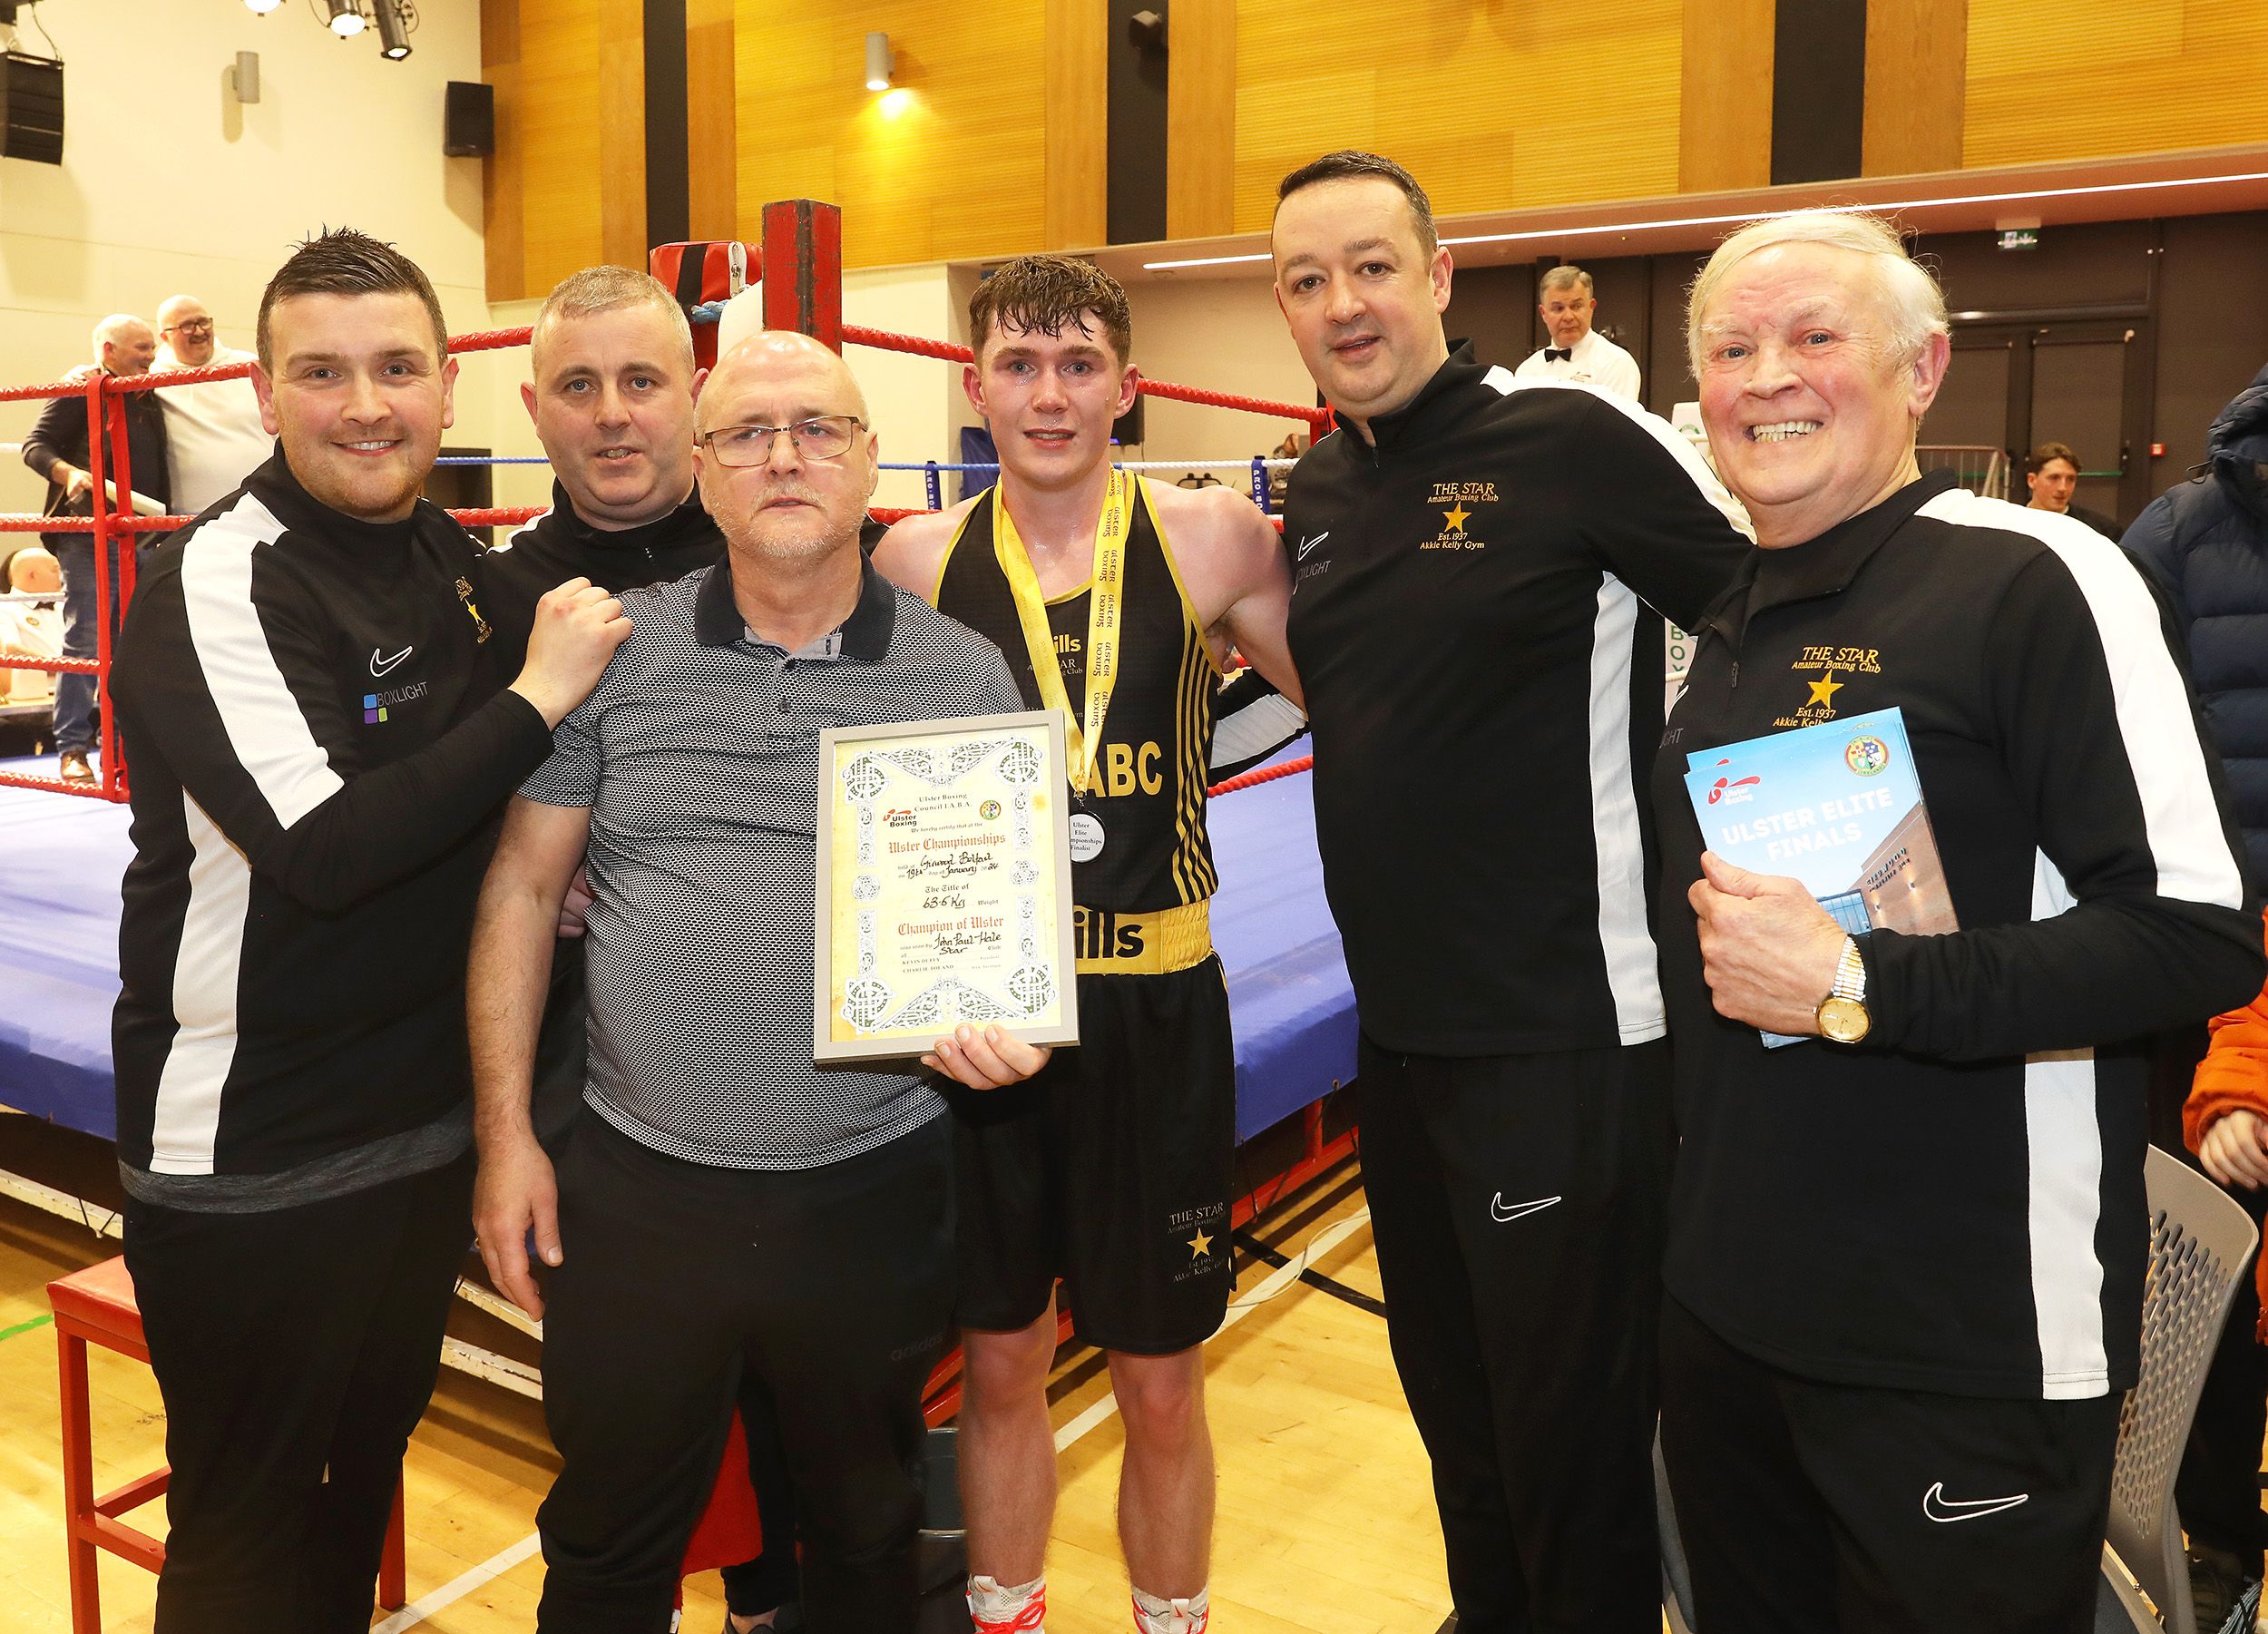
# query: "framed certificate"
945, 885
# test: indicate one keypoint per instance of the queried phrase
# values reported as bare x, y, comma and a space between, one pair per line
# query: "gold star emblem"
1200, 1245
1823, 691
1455, 518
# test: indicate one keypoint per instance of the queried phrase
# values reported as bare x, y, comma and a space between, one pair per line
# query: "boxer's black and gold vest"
1143, 896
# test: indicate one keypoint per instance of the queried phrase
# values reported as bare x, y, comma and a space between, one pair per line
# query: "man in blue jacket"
2207, 542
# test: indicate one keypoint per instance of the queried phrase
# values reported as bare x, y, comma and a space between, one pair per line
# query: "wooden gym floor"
1325, 1518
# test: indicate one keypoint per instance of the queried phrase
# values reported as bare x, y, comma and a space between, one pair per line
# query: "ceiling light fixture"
880, 60
347, 19
260, 8
394, 26
1726, 221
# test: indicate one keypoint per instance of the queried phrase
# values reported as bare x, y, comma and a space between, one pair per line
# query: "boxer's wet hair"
1042, 294
342, 261
1352, 165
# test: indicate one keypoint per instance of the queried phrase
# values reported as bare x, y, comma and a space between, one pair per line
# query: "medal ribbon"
1105, 610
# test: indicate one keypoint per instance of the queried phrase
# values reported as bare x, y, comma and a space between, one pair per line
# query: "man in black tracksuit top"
1905, 1268
319, 748
1476, 566
1931, 1214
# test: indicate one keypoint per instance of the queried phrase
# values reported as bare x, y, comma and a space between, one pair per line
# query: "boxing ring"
61, 861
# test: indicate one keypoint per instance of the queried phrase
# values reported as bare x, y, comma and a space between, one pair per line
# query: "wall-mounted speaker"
31, 108
469, 130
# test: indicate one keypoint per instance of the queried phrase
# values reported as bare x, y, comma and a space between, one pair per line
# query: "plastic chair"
97, 1307
2201, 1242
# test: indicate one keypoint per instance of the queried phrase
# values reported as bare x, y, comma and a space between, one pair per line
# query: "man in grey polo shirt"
725, 1207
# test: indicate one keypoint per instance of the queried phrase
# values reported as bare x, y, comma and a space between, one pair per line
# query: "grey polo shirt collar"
865, 635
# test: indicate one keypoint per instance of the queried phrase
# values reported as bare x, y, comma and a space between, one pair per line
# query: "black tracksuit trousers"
831, 1286
1516, 1203
296, 1350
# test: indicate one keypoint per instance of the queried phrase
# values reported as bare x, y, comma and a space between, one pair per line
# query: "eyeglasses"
822, 437
193, 327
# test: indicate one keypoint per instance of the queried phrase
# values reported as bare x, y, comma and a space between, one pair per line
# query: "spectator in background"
1578, 352
2207, 542
57, 450
2052, 474
212, 432
29, 628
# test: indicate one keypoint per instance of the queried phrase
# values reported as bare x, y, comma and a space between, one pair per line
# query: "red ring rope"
945, 351
1266, 774
489, 340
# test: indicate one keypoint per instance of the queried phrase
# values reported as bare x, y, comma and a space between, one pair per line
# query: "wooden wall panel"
1491, 104
1201, 119
2089, 78
621, 174
1917, 56
560, 151
502, 207
566, 188
952, 163
712, 156
1077, 101
1725, 107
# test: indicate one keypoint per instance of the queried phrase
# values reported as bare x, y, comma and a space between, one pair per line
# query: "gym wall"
168, 185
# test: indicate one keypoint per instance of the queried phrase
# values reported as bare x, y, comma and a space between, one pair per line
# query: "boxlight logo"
372, 713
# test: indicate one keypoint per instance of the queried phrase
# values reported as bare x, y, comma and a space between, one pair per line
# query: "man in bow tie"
1577, 352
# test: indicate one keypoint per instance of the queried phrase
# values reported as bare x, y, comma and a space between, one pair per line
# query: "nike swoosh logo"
1942, 1509
381, 667
1498, 1210
1308, 544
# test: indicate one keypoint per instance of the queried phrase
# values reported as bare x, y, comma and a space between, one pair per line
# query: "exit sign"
2020, 237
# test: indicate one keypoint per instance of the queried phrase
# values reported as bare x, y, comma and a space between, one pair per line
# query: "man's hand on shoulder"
577, 628
990, 1060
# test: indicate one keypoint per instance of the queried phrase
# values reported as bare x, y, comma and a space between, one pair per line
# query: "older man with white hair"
1906, 1254
57, 449
213, 433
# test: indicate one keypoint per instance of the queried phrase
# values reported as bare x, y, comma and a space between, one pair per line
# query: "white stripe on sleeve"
1623, 936
2156, 727
267, 731
206, 967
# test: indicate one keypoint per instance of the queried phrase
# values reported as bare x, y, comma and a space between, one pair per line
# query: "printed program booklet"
1836, 805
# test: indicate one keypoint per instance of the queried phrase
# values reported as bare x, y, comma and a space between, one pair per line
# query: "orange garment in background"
2233, 1075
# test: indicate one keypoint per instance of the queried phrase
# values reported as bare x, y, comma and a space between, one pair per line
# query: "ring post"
99, 465
110, 600
934, 486
1260, 483
803, 263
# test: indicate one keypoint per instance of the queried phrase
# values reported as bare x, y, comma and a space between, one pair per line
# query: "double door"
2014, 384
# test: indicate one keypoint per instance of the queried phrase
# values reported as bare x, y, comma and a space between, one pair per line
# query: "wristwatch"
1841, 1014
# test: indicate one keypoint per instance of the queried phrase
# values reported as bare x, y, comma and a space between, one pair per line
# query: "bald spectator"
57, 450
2052, 474
212, 431
1577, 352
